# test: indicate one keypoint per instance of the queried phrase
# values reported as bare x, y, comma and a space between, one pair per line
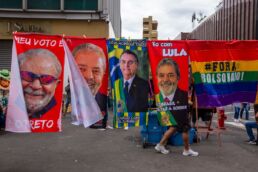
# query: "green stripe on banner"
225, 77
120, 104
165, 118
120, 97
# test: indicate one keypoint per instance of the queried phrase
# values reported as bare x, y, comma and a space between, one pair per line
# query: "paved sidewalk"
79, 149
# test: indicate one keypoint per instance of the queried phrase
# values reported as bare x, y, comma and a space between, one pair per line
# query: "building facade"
150, 28
92, 18
233, 20
182, 36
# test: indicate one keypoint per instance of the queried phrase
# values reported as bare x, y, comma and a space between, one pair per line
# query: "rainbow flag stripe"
224, 72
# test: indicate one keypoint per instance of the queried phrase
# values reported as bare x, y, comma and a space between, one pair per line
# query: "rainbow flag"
224, 72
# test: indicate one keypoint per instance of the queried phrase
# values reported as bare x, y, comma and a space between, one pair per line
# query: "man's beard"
36, 105
167, 91
94, 86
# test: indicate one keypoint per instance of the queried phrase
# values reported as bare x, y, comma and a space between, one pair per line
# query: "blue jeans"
237, 112
246, 109
249, 129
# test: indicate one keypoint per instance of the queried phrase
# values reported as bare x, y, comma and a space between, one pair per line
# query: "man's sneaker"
252, 142
109, 127
101, 129
161, 149
236, 120
190, 152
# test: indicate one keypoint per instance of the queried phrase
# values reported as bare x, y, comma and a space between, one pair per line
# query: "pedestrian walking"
245, 108
237, 107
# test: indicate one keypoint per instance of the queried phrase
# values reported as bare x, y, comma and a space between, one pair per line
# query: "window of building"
13, 4
81, 4
44, 4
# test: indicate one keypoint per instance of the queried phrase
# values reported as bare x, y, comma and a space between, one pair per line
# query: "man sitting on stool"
168, 75
250, 125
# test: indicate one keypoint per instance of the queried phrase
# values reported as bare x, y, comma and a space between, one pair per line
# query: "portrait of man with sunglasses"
91, 61
39, 71
135, 89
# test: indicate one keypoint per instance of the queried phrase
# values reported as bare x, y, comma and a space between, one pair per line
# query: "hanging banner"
169, 66
224, 72
256, 101
90, 64
129, 73
36, 84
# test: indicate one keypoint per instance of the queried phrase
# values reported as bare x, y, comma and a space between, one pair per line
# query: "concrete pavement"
80, 149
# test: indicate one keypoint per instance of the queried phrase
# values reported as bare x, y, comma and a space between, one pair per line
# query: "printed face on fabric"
39, 70
4, 79
92, 64
4, 83
167, 78
128, 65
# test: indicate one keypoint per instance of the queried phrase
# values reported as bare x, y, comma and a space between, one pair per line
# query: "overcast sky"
173, 16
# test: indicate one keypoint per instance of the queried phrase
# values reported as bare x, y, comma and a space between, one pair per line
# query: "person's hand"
256, 117
190, 102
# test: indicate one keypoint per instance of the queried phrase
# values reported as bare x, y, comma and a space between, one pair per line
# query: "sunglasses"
44, 79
